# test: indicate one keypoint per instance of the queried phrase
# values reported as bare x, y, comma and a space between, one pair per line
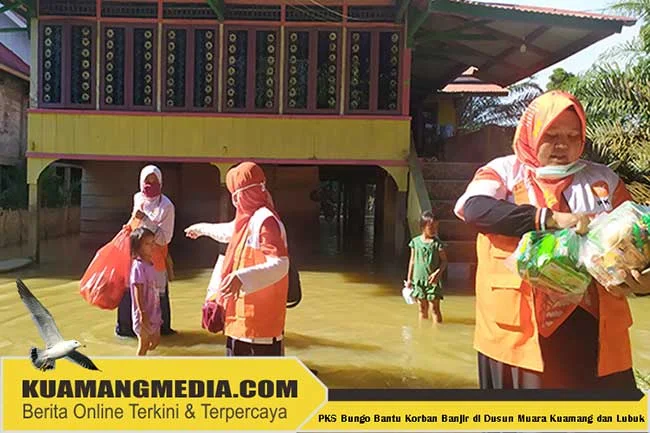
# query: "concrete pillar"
400, 223
389, 216
380, 193
67, 193
34, 226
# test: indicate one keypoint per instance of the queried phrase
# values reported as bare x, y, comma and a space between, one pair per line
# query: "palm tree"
617, 102
481, 111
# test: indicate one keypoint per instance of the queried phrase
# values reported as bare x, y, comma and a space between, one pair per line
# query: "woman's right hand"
565, 220
193, 231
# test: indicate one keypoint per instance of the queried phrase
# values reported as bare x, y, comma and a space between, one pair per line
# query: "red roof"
10, 62
469, 83
550, 11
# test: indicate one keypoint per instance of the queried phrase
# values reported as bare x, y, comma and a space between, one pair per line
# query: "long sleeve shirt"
271, 244
490, 215
159, 217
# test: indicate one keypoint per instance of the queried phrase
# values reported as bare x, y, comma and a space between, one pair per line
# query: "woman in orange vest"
255, 268
155, 211
526, 338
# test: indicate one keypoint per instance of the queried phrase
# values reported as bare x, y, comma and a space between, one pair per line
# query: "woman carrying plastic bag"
155, 211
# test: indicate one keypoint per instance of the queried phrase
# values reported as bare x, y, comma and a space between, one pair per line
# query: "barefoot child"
145, 304
427, 264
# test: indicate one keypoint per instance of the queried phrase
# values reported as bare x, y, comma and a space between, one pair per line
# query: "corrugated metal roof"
550, 11
10, 62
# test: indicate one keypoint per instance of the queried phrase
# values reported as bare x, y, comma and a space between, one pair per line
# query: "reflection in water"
352, 326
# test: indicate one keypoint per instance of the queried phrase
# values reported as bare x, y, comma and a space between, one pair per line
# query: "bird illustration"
55, 346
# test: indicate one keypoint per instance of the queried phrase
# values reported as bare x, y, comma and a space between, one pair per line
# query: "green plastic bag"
550, 261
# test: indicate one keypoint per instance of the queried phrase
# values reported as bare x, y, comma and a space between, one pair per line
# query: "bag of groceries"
616, 243
550, 262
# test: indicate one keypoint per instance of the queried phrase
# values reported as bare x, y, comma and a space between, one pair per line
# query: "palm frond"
635, 8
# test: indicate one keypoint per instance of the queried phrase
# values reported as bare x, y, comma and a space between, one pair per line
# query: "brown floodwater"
352, 325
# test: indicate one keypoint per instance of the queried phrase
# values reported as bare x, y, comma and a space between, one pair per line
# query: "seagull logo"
55, 346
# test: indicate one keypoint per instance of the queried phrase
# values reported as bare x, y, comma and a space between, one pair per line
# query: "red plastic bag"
107, 277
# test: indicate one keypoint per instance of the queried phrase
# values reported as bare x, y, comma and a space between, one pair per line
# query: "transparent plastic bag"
407, 294
616, 243
550, 262
107, 277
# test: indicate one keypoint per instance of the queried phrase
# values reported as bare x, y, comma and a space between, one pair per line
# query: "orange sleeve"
487, 173
621, 195
271, 242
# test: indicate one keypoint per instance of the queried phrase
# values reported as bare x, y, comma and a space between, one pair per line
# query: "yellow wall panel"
157, 135
447, 112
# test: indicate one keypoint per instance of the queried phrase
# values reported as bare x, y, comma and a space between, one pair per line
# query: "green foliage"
617, 102
478, 112
13, 187
53, 194
560, 79
14, 191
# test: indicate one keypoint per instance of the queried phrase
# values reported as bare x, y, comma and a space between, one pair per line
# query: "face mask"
559, 171
151, 190
237, 191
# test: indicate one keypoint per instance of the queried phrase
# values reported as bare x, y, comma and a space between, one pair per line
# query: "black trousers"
570, 357
124, 326
242, 348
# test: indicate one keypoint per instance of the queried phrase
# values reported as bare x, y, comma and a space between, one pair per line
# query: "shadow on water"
189, 338
359, 376
296, 340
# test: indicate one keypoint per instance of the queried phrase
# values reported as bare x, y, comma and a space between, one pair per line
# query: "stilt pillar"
34, 208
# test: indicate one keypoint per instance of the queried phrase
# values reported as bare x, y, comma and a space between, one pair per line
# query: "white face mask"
237, 191
559, 171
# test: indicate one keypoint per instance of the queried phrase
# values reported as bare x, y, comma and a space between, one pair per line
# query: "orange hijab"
533, 124
247, 185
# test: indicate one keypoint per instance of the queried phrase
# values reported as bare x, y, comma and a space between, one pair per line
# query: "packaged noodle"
550, 261
617, 242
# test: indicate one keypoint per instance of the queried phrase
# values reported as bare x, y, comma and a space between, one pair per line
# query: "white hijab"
150, 205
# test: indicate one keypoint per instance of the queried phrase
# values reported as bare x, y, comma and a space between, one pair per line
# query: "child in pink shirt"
145, 302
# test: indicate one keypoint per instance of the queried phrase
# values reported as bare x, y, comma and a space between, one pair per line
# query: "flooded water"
352, 325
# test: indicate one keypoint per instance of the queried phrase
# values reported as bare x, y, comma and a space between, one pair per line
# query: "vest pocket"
506, 304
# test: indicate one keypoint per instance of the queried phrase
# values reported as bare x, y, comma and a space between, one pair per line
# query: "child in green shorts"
427, 264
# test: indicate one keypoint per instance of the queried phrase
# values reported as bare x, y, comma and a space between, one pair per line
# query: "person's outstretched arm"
221, 232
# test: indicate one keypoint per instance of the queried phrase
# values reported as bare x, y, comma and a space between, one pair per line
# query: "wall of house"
218, 137
54, 223
194, 188
14, 100
292, 188
480, 146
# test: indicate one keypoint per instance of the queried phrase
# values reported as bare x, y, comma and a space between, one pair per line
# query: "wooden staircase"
446, 182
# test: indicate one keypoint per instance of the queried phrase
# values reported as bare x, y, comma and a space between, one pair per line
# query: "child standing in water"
145, 302
427, 264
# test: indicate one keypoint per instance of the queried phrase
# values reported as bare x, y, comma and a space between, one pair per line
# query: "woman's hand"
635, 282
231, 285
565, 220
193, 232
